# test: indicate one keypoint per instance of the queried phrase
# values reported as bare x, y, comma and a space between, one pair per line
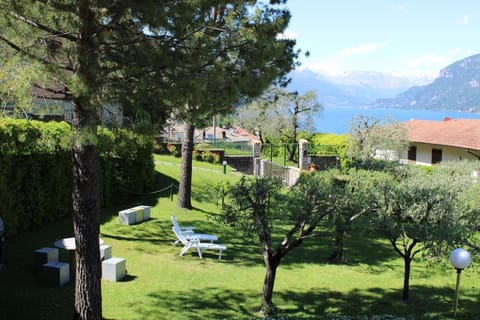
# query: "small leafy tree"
280, 115
258, 206
419, 209
352, 205
371, 137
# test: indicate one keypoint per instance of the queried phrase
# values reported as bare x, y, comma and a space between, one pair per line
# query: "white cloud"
455, 51
337, 63
328, 66
363, 48
427, 60
461, 53
463, 20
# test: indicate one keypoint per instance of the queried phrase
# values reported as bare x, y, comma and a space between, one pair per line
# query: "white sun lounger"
189, 233
195, 243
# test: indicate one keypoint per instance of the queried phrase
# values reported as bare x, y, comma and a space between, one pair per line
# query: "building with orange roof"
449, 140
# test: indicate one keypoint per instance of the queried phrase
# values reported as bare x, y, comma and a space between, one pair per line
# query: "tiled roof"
461, 133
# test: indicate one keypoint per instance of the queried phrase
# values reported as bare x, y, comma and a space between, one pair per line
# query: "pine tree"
232, 51
87, 52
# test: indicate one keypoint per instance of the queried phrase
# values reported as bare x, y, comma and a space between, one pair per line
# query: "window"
412, 153
436, 156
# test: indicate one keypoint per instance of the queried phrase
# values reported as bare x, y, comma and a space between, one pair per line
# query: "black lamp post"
460, 259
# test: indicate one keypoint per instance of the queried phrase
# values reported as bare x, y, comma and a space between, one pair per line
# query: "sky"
402, 37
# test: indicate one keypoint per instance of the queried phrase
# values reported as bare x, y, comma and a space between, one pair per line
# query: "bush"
208, 156
36, 170
173, 150
197, 155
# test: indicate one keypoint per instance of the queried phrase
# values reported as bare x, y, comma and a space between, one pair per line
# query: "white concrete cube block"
146, 212
127, 216
105, 251
134, 215
56, 273
138, 214
113, 269
44, 255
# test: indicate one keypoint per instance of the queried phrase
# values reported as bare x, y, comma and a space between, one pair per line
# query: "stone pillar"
256, 155
257, 149
303, 158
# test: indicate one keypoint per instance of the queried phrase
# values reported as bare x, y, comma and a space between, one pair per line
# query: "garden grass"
162, 285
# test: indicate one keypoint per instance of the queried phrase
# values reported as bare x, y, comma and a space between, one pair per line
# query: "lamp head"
460, 258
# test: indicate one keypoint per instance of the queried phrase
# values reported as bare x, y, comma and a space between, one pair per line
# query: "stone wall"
243, 164
325, 162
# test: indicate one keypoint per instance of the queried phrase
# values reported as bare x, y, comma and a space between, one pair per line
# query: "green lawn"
162, 285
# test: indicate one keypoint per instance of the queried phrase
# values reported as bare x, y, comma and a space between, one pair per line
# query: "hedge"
36, 170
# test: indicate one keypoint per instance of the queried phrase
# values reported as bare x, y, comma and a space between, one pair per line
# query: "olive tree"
417, 209
280, 115
354, 202
259, 206
372, 137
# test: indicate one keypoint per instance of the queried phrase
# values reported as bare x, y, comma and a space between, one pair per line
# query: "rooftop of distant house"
460, 133
217, 133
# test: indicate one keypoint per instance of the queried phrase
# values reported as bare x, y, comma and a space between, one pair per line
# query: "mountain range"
457, 87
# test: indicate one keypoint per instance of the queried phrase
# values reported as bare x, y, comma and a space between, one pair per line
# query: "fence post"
257, 152
257, 149
303, 158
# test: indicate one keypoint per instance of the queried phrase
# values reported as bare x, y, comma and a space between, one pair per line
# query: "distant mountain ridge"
357, 88
456, 88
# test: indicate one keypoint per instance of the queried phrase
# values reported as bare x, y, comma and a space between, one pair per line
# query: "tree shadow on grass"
425, 303
216, 303
153, 230
210, 303
316, 250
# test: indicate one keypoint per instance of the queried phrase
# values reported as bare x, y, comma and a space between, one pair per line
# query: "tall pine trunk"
88, 302
185, 187
85, 191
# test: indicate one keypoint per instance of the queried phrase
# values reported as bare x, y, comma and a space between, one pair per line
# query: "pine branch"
59, 5
31, 55
45, 28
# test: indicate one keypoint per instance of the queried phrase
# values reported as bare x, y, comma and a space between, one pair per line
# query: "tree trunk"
85, 190
268, 308
407, 254
185, 187
88, 301
406, 277
338, 255
292, 152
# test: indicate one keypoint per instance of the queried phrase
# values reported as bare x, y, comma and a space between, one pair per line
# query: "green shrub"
208, 156
36, 170
197, 155
172, 149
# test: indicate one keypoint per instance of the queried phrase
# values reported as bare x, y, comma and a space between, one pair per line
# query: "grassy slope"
162, 285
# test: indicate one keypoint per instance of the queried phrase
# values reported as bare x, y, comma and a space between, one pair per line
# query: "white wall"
424, 153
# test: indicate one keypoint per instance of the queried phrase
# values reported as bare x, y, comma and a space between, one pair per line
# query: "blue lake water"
337, 119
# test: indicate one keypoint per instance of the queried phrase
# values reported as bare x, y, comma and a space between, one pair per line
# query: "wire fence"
171, 188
